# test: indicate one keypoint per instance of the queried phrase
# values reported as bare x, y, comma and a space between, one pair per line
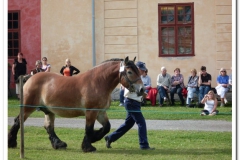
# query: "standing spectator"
68, 69
222, 85
163, 85
134, 115
45, 66
177, 85
210, 102
192, 86
19, 67
38, 68
121, 95
204, 82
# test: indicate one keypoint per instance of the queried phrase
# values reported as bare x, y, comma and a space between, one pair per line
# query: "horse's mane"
129, 64
113, 59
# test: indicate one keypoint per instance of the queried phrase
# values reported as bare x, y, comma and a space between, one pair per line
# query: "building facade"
170, 33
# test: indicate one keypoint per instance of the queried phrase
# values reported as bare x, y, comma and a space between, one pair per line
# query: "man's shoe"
165, 99
121, 104
200, 105
108, 143
225, 101
148, 148
192, 105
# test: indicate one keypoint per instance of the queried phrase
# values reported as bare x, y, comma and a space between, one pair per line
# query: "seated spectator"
210, 102
177, 84
121, 95
146, 81
222, 85
192, 86
163, 85
68, 69
204, 84
230, 81
45, 66
38, 68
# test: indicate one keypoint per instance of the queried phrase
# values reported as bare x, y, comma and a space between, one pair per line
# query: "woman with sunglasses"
210, 102
222, 85
45, 66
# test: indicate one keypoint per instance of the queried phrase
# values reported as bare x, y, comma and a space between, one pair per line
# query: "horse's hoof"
90, 149
60, 145
12, 143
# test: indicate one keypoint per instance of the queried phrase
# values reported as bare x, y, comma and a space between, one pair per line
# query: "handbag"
184, 92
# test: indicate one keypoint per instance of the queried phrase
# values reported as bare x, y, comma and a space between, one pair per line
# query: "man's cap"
141, 65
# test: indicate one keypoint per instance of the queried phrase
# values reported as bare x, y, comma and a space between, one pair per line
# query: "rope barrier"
114, 110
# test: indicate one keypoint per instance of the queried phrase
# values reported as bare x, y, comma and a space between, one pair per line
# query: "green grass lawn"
150, 112
184, 145
171, 145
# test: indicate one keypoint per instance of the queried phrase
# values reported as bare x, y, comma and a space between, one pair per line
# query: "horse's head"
130, 77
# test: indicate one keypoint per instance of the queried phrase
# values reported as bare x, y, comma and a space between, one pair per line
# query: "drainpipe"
93, 35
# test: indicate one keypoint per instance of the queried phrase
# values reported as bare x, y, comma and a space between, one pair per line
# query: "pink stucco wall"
30, 30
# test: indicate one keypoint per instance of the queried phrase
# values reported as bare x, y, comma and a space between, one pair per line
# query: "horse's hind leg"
12, 134
49, 126
103, 120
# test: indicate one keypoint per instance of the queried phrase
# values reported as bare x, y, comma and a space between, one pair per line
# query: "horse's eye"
129, 72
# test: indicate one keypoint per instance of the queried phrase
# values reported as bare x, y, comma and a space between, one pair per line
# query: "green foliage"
182, 145
150, 112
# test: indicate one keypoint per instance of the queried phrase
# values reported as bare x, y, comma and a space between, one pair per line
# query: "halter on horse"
87, 94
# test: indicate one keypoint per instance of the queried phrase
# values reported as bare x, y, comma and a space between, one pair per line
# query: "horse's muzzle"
140, 91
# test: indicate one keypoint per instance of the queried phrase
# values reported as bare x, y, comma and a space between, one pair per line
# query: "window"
176, 29
13, 33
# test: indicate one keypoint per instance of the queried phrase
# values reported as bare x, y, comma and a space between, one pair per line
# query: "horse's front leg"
89, 131
12, 134
49, 126
103, 120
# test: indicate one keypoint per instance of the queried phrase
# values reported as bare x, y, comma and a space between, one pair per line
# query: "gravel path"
194, 125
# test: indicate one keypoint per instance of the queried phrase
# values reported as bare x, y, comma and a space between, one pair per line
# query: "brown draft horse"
87, 94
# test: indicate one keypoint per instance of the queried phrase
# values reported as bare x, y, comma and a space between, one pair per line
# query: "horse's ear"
134, 59
126, 60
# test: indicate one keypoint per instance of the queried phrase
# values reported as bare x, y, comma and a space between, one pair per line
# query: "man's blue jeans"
162, 93
202, 91
177, 90
134, 115
122, 96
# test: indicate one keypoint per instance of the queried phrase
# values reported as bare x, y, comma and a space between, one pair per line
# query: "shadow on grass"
136, 151
169, 151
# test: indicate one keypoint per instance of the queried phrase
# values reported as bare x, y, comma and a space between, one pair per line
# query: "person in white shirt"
45, 66
210, 102
134, 115
163, 85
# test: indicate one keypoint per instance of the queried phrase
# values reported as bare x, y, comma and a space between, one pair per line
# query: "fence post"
21, 117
